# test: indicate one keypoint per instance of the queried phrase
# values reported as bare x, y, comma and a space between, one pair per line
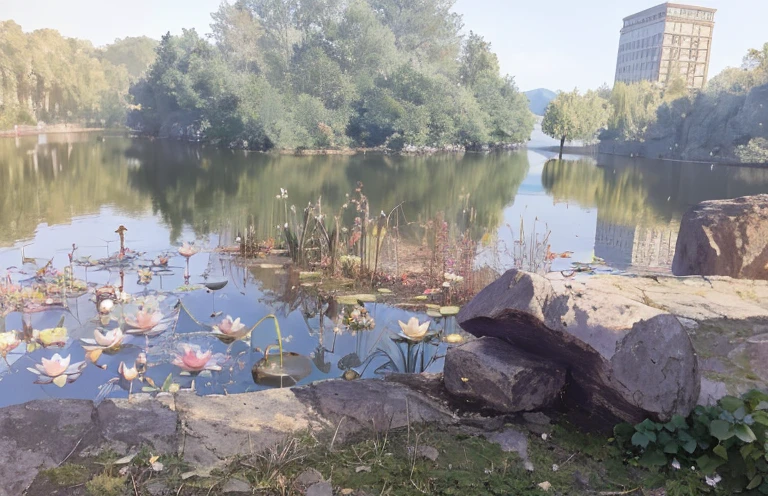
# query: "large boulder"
624, 360
496, 375
724, 238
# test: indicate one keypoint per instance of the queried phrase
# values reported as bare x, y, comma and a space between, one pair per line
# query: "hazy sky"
557, 44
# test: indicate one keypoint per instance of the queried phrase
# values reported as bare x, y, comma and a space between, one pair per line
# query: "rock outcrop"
724, 238
625, 360
496, 375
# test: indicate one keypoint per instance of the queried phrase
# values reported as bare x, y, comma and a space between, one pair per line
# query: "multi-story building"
666, 42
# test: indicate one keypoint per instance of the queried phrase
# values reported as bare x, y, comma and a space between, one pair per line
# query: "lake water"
61, 189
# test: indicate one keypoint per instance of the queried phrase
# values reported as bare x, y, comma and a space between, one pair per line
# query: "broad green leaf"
690, 446
763, 405
671, 448
740, 413
720, 451
167, 383
640, 439
720, 429
707, 464
731, 403
755, 482
747, 450
744, 433
653, 458
647, 425
623, 430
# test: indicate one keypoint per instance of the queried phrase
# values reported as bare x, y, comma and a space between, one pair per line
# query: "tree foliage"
47, 77
330, 73
573, 116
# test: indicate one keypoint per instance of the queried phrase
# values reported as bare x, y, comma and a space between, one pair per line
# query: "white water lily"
128, 374
111, 340
413, 331
57, 370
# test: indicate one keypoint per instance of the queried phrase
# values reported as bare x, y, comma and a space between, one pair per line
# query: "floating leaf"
354, 299
449, 311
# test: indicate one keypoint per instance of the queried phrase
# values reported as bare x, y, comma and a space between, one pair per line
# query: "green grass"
67, 475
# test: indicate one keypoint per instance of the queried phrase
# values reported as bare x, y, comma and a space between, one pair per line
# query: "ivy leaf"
747, 450
720, 429
744, 433
755, 482
720, 451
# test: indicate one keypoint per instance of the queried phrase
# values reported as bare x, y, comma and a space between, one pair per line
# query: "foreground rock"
625, 360
724, 238
497, 375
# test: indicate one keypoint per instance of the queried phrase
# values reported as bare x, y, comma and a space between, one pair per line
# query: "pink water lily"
144, 322
186, 250
229, 328
57, 370
110, 340
192, 359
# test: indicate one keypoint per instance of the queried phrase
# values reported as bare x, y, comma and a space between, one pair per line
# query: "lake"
62, 189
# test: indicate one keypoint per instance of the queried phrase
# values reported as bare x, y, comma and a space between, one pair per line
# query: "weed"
105, 485
67, 475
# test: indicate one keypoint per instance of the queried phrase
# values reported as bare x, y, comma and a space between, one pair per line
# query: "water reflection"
640, 202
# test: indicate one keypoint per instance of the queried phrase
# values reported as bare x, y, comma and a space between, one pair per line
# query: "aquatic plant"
277, 333
8, 342
128, 373
186, 250
57, 370
109, 341
192, 359
413, 331
145, 323
230, 330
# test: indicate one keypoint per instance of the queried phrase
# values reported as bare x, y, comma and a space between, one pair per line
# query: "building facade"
665, 42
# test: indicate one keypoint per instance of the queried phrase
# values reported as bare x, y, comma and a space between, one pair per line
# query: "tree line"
628, 111
45, 77
332, 73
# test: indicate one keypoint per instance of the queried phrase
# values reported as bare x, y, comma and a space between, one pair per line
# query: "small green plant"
105, 485
730, 437
68, 474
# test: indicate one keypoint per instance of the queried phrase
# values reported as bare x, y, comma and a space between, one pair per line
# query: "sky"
555, 44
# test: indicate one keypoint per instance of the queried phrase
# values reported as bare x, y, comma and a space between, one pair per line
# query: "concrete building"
665, 42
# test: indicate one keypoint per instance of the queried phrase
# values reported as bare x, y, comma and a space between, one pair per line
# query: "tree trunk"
562, 144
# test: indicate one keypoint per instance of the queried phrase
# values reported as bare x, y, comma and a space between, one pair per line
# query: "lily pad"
449, 311
271, 266
432, 306
310, 275
353, 299
434, 314
385, 291
216, 285
269, 372
421, 297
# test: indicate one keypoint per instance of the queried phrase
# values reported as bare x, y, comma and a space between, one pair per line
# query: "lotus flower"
413, 331
128, 374
108, 341
187, 250
229, 329
8, 342
146, 323
192, 359
56, 336
57, 370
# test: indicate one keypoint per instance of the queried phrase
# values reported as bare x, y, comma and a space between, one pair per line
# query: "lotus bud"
106, 306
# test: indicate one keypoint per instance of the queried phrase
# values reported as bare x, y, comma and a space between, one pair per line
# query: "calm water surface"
57, 190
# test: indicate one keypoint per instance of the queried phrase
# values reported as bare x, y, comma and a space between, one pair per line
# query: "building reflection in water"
647, 247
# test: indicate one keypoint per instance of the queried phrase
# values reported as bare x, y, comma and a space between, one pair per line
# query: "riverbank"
52, 129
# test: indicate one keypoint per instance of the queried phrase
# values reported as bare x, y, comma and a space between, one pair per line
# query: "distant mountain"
539, 99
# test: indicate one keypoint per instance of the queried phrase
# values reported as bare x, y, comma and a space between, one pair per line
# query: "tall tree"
572, 116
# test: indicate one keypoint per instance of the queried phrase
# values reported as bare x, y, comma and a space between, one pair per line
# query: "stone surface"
724, 238
219, 427
320, 489
140, 420
625, 360
355, 407
512, 440
427, 452
308, 477
499, 376
236, 486
40, 435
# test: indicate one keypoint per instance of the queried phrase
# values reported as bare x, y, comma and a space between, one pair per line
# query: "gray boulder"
495, 374
624, 360
724, 238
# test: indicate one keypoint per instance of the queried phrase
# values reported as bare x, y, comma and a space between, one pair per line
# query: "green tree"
572, 116
136, 54
477, 60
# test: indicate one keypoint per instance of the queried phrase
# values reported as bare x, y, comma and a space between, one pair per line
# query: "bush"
730, 437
